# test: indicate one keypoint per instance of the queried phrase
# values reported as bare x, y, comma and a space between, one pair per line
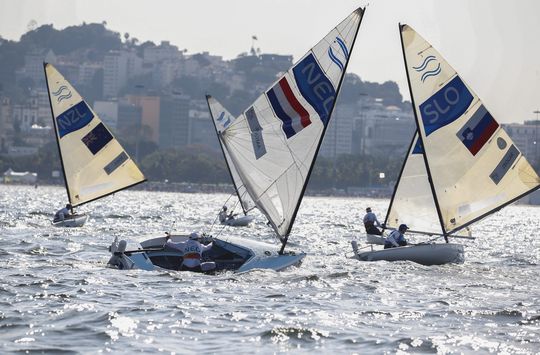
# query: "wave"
301, 334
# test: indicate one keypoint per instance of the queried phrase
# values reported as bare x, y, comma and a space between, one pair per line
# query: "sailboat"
93, 162
461, 166
272, 147
222, 119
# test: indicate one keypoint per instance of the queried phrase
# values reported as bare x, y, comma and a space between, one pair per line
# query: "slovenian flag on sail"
287, 108
478, 130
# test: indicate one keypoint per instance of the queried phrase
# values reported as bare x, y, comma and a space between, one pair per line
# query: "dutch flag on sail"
287, 108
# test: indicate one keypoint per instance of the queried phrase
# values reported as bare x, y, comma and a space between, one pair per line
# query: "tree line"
198, 164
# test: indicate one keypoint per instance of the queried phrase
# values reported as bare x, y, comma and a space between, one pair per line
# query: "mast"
286, 236
420, 134
223, 152
399, 178
56, 135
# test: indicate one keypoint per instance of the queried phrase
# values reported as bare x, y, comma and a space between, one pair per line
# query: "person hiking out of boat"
63, 213
192, 251
371, 223
223, 216
396, 238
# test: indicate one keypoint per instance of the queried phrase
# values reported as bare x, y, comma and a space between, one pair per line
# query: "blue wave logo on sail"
224, 121
433, 72
333, 56
62, 93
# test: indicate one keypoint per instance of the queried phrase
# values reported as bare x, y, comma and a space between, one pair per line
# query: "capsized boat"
273, 145
93, 162
230, 253
461, 165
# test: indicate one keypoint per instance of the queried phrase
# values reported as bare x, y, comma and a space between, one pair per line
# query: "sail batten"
473, 166
93, 162
274, 142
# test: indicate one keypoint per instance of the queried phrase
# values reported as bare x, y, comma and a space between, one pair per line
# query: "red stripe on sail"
295, 104
486, 134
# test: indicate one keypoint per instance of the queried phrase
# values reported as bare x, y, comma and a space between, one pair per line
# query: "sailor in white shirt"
193, 250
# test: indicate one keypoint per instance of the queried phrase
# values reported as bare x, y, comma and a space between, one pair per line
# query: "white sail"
412, 203
94, 163
223, 119
274, 142
474, 165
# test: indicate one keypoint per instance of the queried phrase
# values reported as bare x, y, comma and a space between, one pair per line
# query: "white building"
164, 52
527, 138
339, 134
118, 67
108, 112
384, 130
26, 177
114, 73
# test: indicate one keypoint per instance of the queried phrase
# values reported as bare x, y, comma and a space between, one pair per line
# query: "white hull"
239, 222
425, 254
375, 239
77, 220
230, 253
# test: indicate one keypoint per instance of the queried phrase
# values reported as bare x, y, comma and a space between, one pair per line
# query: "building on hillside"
384, 130
33, 66
6, 123
118, 67
527, 138
26, 177
174, 124
129, 120
38, 136
339, 134
21, 151
164, 52
150, 107
108, 113
202, 130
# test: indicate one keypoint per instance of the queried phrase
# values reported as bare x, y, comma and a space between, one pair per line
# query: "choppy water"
57, 296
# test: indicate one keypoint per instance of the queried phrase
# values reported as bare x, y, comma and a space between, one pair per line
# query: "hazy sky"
493, 44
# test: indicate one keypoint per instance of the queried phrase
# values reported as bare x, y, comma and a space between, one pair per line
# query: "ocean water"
57, 295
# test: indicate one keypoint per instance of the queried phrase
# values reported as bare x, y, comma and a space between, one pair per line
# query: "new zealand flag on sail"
74, 119
315, 87
478, 130
445, 106
97, 138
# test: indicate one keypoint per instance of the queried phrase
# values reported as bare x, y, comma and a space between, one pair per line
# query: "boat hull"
228, 253
73, 221
425, 254
239, 222
375, 239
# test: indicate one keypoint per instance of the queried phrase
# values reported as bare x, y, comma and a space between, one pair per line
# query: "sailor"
396, 238
63, 213
371, 223
223, 216
193, 251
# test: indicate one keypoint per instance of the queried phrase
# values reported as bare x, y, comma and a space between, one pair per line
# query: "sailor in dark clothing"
371, 223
